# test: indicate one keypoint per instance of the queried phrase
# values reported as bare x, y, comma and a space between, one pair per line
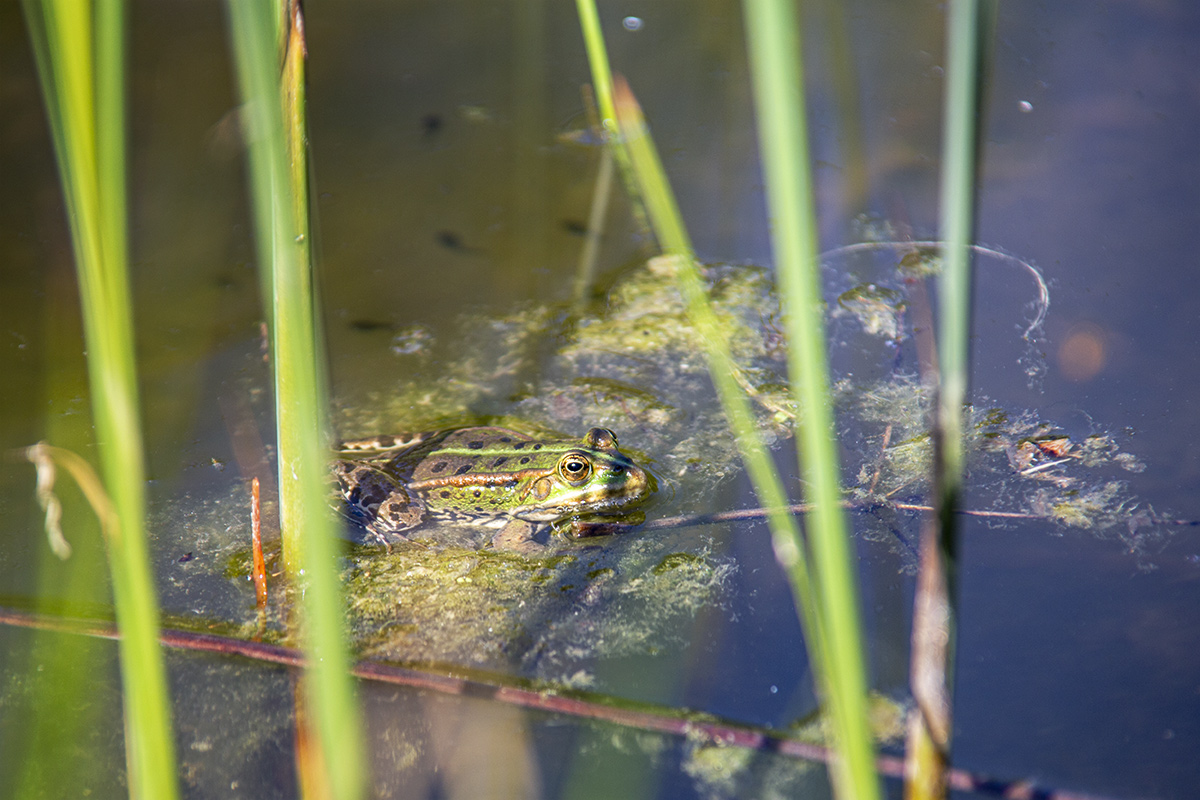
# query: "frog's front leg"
587, 527
517, 536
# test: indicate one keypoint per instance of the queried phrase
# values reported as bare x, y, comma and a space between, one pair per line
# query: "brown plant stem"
581, 705
687, 520
260, 563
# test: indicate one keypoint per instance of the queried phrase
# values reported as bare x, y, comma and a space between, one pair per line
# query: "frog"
518, 485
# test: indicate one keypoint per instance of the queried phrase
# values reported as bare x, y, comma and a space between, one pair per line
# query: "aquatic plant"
80, 56
273, 100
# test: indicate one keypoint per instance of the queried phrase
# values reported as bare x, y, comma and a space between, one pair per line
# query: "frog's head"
591, 477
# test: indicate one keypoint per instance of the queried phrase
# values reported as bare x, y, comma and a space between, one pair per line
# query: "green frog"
491, 476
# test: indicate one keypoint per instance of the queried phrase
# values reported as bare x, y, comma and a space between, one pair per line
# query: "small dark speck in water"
450, 240
574, 227
371, 325
431, 124
186, 557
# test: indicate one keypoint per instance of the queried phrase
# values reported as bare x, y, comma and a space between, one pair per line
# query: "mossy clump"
721, 770
885, 717
544, 617
879, 309
717, 768
1018, 464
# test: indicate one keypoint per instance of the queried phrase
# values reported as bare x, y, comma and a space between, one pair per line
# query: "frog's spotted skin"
489, 476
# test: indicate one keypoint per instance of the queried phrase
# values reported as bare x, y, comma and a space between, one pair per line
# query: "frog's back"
473, 451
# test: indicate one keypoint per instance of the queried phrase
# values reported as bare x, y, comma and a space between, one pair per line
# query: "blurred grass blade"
773, 43
81, 65
602, 83
593, 41
934, 612
281, 219
65, 707
585, 270
668, 226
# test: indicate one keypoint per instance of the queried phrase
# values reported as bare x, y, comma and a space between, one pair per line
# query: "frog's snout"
639, 483
650, 482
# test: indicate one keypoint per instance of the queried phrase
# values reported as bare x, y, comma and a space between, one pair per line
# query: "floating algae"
632, 364
546, 617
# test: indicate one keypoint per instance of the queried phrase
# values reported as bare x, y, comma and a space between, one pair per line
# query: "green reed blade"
306, 520
82, 73
935, 612
626, 127
65, 707
669, 228
957, 212
773, 42
593, 42
602, 84
110, 131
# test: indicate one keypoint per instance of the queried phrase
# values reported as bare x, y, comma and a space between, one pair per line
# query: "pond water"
453, 179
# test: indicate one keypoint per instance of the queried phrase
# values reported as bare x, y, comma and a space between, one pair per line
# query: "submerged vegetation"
547, 618
719, 770
633, 365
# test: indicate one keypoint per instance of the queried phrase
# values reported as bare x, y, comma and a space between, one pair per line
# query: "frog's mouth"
589, 525
609, 507
638, 486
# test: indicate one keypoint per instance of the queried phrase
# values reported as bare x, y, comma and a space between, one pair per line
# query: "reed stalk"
827, 605
597, 53
773, 43
602, 85
80, 56
274, 123
934, 607
64, 708
628, 134
668, 226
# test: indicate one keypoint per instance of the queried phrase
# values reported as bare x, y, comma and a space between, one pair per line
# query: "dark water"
446, 182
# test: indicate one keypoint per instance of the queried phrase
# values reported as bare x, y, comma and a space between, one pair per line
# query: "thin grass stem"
306, 523
668, 226
602, 84
64, 711
602, 81
81, 64
773, 37
934, 611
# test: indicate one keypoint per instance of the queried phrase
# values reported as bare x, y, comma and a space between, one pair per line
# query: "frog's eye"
574, 468
601, 439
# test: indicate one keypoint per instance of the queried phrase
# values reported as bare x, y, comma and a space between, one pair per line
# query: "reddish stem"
260, 563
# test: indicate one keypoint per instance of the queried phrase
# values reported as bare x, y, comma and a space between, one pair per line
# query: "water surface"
449, 182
